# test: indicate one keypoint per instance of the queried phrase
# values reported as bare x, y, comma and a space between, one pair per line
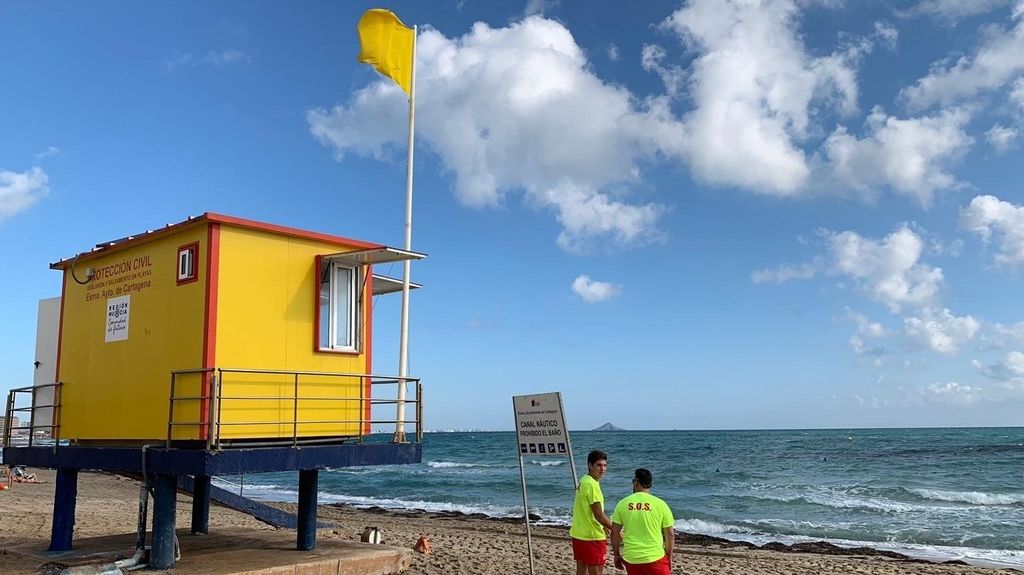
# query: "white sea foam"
246, 488
803, 524
547, 463
358, 469
842, 501
975, 497
710, 527
453, 464
275, 493
986, 557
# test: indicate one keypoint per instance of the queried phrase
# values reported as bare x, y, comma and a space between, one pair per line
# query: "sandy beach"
461, 544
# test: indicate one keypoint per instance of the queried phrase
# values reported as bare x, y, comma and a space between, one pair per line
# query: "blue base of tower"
163, 468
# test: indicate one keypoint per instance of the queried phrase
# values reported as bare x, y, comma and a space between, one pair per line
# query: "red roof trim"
216, 218
287, 231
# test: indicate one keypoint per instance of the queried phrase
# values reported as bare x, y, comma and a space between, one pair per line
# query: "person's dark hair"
595, 456
644, 478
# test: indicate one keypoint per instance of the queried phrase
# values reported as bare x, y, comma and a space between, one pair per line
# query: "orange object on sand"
422, 545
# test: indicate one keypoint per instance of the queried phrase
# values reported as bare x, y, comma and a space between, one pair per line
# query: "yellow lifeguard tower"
217, 345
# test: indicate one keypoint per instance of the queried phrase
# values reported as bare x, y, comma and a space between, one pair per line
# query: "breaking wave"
974, 497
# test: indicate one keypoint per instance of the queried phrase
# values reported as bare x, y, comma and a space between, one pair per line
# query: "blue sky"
709, 214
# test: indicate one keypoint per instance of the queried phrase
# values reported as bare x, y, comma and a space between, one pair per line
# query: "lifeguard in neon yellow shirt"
642, 526
589, 523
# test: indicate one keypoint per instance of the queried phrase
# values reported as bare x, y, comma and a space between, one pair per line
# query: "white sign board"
540, 430
540, 424
117, 318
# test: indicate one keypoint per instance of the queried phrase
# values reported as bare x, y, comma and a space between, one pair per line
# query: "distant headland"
608, 427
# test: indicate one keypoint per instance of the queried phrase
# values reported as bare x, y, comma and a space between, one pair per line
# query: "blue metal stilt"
65, 497
201, 504
164, 510
306, 539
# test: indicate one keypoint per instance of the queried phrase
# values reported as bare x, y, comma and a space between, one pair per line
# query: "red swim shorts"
659, 567
589, 552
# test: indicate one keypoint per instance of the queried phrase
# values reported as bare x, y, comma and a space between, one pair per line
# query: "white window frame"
353, 335
186, 269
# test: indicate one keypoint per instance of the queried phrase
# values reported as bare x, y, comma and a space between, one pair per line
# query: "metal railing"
12, 435
213, 392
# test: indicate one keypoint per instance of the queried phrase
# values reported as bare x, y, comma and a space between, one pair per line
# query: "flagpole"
403, 345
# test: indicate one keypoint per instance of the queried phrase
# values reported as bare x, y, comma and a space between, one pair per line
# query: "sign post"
541, 432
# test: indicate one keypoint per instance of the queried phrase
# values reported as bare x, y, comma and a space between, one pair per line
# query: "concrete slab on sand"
241, 552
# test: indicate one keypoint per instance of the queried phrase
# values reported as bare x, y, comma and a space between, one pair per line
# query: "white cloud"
613, 53
652, 59
585, 213
19, 190
1015, 363
887, 34
225, 57
940, 330
757, 94
1001, 337
875, 352
997, 61
992, 218
496, 106
753, 85
1017, 94
1009, 369
784, 273
370, 126
1008, 387
888, 270
952, 248
952, 11
594, 291
910, 155
1001, 138
865, 326
952, 393
179, 60
1014, 330
518, 109
218, 58
49, 151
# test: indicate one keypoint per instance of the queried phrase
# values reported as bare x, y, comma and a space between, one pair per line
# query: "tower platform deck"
199, 462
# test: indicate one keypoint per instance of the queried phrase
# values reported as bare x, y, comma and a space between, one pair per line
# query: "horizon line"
473, 430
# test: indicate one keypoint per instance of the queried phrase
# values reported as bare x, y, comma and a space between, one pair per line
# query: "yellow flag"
387, 44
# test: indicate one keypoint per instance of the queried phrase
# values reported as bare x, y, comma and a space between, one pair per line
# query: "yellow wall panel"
265, 321
116, 386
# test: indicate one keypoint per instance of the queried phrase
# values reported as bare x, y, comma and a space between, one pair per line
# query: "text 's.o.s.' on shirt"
584, 526
642, 517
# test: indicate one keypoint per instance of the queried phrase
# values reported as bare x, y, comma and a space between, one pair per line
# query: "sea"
938, 494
